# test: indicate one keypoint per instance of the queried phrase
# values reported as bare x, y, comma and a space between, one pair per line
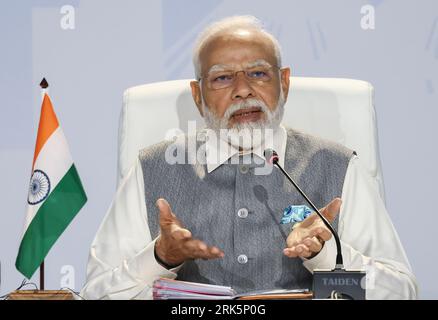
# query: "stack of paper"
174, 289
279, 294
168, 289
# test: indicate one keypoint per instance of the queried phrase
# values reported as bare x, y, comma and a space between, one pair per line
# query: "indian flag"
55, 193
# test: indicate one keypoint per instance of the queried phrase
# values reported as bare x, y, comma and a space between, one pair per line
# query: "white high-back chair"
341, 110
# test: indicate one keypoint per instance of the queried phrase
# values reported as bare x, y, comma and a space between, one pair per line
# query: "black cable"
23, 284
74, 292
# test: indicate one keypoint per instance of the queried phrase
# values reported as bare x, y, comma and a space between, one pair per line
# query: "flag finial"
44, 84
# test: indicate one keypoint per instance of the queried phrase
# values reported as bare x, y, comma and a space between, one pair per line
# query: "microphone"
272, 158
326, 283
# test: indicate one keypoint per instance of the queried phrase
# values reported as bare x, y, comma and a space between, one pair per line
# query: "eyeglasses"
223, 79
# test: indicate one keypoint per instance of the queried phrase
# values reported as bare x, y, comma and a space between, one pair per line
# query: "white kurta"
122, 264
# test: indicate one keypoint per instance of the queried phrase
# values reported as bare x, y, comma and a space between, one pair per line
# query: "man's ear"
197, 95
285, 81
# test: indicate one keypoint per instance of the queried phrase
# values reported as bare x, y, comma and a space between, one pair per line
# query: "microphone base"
340, 283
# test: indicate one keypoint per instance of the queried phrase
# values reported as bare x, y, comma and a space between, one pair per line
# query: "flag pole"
42, 275
44, 85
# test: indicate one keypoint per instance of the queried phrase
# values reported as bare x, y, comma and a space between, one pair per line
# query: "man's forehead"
244, 65
237, 47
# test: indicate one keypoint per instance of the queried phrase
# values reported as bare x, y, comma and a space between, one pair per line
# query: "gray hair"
231, 23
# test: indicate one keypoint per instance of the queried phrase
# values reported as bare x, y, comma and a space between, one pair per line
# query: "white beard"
247, 135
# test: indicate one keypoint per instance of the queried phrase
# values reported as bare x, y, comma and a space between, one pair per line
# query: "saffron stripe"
47, 125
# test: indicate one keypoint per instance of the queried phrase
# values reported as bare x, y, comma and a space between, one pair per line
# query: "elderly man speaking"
218, 222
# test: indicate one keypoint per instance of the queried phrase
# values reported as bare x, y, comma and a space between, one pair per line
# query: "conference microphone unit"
336, 283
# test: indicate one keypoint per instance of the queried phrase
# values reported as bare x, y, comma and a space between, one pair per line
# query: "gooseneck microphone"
272, 158
339, 283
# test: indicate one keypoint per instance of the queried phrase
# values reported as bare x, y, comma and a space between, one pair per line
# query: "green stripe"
53, 217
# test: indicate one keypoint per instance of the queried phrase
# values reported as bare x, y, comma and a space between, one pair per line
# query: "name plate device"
339, 283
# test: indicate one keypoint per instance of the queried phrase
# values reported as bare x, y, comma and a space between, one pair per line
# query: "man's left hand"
307, 238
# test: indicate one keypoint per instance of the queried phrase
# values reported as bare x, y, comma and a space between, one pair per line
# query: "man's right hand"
175, 243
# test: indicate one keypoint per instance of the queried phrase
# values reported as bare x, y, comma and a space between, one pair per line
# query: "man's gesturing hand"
307, 238
175, 243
